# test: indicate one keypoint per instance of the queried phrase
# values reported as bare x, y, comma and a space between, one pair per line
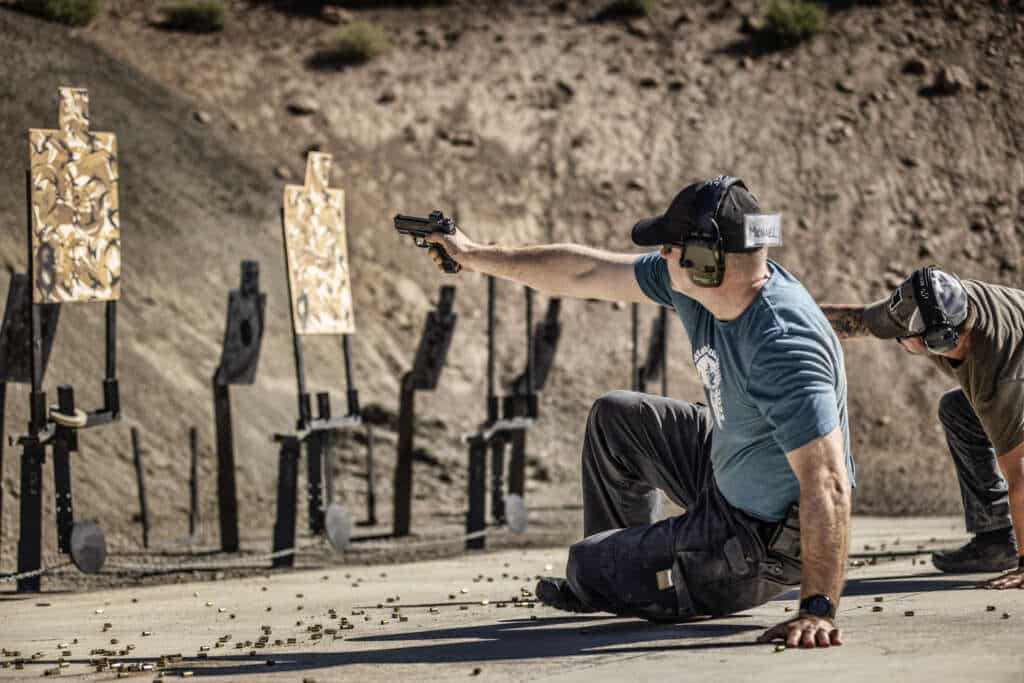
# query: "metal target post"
508, 421
431, 356
193, 484
140, 478
60, 271
656, 363
243, 337
320, 302
16, 350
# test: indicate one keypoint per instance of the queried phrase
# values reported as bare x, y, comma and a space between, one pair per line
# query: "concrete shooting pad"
76, 231
456, 620
317, 252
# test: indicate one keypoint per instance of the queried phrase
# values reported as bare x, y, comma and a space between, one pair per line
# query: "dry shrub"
71, 12
194, 16
789, 22
358, 43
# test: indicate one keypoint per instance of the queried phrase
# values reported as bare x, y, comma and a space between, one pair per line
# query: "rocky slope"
890, 140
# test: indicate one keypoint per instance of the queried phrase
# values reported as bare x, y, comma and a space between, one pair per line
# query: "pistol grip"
449, 264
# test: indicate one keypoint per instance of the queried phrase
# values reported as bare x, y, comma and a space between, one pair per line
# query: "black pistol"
422, 228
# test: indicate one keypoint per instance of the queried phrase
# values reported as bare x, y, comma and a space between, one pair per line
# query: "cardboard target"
76, 231
317, 253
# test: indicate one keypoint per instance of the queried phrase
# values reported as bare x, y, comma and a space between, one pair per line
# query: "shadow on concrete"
925, 583
883, 585
511, 640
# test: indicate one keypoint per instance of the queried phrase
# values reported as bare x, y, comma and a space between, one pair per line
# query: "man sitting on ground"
773, 433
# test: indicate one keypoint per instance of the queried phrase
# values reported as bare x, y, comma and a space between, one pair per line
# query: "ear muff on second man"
939, 335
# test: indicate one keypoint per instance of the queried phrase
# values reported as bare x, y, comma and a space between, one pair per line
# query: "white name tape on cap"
762, 230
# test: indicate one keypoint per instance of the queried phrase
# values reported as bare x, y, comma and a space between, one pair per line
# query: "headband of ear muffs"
709, 202
704, 251
940, 335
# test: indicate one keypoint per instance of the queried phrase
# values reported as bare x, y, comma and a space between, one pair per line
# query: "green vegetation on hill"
789, 22
71, 12
358, 43
199, 16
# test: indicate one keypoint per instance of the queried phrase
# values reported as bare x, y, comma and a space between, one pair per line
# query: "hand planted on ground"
1011, 579
804, 631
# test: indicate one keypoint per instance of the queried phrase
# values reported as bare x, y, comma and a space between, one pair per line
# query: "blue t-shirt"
773, 380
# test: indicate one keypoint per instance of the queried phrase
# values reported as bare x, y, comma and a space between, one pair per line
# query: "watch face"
819, 606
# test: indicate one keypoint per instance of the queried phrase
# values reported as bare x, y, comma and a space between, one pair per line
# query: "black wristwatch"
818, 606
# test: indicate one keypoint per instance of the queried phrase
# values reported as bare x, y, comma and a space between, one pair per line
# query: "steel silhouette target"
16, 332
517, 515
338, 525
76, 232
88, 546
243, 335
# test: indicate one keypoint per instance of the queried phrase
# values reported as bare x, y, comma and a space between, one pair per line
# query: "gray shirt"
773, 379
992, 375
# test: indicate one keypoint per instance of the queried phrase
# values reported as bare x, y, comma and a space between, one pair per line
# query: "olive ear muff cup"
703, 251
705, 263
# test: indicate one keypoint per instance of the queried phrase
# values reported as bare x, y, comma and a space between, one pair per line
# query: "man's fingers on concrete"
836, 636
793, 636
807, 637
824, 638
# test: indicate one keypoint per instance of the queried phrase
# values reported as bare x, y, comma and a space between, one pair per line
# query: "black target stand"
16, 351
325, 517
57, 427
424, 376
500, 430
656, 364
243, 337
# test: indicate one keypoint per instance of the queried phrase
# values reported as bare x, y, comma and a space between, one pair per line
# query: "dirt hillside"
532, 122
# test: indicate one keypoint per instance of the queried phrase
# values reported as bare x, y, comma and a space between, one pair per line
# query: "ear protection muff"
940, 335
703, 250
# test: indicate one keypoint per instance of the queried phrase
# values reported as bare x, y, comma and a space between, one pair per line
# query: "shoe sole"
974, 567
551, 596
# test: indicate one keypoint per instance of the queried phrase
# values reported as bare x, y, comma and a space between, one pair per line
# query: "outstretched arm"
562, 269
820, 467
847, 320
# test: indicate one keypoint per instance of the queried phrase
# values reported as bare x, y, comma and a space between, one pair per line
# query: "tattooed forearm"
847, 320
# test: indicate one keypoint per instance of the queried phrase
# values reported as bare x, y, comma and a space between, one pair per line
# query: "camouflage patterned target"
76, 232
318, 266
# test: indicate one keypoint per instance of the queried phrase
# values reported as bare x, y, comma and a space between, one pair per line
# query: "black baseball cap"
681, 217
898, 315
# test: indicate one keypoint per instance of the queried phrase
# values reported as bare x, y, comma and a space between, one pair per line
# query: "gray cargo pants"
712, 560
982, 487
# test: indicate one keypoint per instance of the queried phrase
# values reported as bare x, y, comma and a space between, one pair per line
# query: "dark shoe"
977, 556
555, 592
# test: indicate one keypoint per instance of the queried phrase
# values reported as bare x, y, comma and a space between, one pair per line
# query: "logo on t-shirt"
710, 372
